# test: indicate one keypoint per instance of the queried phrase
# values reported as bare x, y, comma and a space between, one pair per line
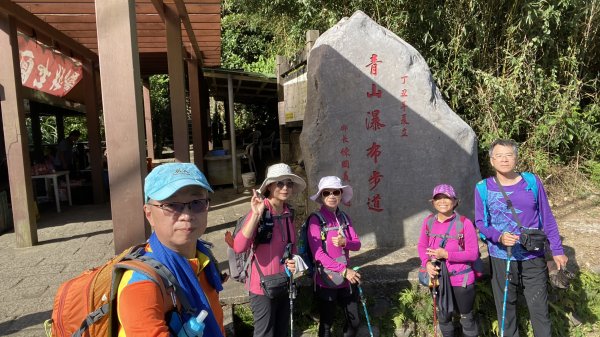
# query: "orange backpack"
86, 305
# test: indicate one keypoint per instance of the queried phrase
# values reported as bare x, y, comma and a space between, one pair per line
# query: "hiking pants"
532, 277
463, 299
271, 316
347, 298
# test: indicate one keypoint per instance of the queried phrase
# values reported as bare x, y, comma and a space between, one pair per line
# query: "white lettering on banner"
26, 63
70, 80
44, 74
58, 78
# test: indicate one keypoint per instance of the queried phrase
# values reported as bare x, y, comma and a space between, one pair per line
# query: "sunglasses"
288, 184
336, 193
195, 206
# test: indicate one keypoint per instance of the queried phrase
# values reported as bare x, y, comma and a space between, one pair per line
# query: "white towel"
300, 266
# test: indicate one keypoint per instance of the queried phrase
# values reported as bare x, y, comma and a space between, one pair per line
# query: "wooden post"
231, 131
284, 135
148, 119
204, 114
36, 132
123, 117
15, 135
195, 107
92, 118
181, 137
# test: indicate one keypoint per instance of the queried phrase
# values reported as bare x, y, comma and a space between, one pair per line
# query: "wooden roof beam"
183, 15
28, 19
159, 5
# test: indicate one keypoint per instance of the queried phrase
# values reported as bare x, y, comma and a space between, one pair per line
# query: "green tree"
527, 70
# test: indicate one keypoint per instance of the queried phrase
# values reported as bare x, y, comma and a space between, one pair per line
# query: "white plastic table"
54, 177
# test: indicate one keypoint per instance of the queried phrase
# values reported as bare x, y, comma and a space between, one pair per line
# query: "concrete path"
81, 237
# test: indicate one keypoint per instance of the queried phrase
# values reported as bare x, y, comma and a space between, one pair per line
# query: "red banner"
47, 70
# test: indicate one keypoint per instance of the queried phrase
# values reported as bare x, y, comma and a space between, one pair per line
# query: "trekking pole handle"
509, 251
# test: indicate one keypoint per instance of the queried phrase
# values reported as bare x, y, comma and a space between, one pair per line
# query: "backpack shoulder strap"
532, 186
531, 183
322, 225
460, 222
481, 187
460, 230
345, 218
430, 220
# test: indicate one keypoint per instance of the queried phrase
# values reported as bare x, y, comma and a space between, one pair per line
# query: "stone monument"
375, 118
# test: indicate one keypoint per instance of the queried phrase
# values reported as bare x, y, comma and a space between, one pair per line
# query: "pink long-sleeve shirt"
458, 260
268, 255
327, 259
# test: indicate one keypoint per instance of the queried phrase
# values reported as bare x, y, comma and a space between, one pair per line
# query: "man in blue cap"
176, 206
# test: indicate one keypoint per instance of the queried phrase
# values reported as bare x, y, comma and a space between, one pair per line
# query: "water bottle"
194, 327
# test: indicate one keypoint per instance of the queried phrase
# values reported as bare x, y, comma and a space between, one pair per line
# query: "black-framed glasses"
336, 193
288, 184
195, 206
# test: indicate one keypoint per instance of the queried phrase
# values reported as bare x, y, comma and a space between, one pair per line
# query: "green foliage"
527, 70
573, 312
161, 112
414, 310
592, 168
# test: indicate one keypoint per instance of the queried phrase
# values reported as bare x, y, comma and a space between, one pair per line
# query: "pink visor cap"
444, 189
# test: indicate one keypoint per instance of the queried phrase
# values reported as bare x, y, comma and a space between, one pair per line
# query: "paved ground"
81, 237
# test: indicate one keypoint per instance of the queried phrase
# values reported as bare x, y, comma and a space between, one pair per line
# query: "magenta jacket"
457, 260
333, 252
269, 255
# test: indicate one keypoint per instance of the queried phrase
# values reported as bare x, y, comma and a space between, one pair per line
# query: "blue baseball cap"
166, 179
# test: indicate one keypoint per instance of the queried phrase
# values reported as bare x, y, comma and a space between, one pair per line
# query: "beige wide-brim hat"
279, 172
333, 183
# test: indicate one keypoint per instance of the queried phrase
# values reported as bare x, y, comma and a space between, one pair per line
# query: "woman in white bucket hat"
269, 229
331, 237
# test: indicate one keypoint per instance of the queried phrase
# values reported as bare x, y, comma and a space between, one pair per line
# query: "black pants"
271, 317
463, 299
532, 277
347, 298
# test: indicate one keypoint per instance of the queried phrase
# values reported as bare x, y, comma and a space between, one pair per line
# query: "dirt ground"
579, 228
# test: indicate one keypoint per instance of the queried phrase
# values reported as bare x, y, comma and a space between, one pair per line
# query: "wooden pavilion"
119, 43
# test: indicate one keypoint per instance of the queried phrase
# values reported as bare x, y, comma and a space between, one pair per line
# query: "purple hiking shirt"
500, 218
327, 259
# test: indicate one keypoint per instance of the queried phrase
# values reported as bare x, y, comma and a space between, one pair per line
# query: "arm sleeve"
423, 244
314, 242
352, 240
487, 230
471, 250
548, 221
240, 242
140, 311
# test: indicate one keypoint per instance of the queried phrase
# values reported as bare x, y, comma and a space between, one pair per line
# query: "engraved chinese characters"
375, 118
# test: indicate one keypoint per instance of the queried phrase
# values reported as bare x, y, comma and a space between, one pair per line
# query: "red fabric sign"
45, 69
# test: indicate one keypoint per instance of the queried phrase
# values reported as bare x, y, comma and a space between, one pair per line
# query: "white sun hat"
333, 183
279, 172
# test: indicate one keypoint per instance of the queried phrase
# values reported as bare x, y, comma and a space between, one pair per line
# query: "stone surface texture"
375, 117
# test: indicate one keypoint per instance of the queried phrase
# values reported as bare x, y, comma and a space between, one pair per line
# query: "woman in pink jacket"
330, 245
442, 243
269, 229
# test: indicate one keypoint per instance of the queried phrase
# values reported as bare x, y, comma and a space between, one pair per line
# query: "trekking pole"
509, 253
292, 298
363, 300
433, 286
